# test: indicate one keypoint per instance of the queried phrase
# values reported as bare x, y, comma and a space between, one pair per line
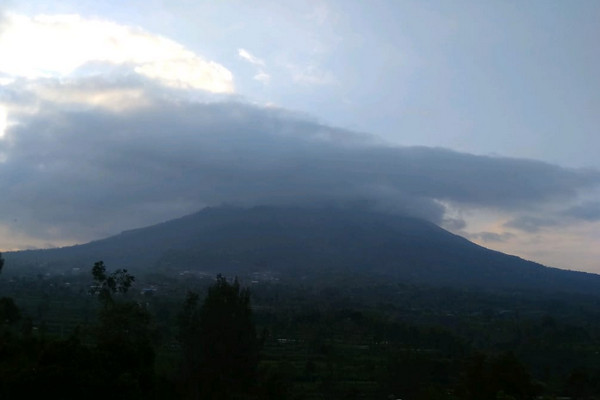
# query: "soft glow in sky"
512, 88
3, 121
46, 46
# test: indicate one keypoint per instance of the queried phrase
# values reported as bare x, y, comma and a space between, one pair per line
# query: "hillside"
317, 243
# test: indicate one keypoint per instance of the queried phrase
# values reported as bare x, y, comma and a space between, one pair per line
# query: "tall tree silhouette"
109, 284
219, 342
124, 335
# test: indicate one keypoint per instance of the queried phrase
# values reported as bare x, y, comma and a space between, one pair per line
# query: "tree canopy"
219, 341
108, 284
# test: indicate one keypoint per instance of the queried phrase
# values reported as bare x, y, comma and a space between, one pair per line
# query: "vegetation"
325, 244
219, 343
72, 336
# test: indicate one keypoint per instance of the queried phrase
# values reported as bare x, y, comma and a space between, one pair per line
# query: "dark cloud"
491, 236
84, 173
532, 224
454, 224
589, 211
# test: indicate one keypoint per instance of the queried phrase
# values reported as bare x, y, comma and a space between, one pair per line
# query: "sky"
481, 117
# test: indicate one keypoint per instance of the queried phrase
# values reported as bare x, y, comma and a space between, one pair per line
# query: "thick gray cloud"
532, 224
588, 211
454, 224
84, 173
488, 237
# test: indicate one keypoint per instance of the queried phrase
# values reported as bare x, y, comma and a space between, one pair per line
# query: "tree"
9, 312
124, 335
219, 342
107, 285
503, 376
189, 337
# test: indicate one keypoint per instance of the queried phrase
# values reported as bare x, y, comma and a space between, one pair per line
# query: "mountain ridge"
316, 242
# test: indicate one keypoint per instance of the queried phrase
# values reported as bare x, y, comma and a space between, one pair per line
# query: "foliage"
219, 341
125, 346
108, 284
326, 339
504, 375
124, 335
9, 312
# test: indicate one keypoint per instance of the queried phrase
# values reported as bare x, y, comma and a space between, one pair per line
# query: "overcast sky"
479, 116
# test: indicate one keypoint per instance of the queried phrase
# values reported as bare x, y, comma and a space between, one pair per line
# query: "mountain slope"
317, 242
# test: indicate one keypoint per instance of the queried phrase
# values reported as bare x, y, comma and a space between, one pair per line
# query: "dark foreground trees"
219, 343
124, 335
9, 312
337, 343
485, 378
115, 357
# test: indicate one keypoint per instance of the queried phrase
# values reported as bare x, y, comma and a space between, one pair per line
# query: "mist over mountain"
310, 243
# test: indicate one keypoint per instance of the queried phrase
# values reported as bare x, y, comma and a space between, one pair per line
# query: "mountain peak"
318, 241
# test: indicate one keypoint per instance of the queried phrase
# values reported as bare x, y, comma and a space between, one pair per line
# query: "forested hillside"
309, 243
106, 332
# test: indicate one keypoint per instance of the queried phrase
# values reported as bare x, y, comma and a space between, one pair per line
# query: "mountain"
317, 243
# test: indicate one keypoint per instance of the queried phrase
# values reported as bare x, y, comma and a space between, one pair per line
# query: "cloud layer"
106, 127
85, 172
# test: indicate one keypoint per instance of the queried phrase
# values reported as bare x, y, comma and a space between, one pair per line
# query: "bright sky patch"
3, 121
56, 46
